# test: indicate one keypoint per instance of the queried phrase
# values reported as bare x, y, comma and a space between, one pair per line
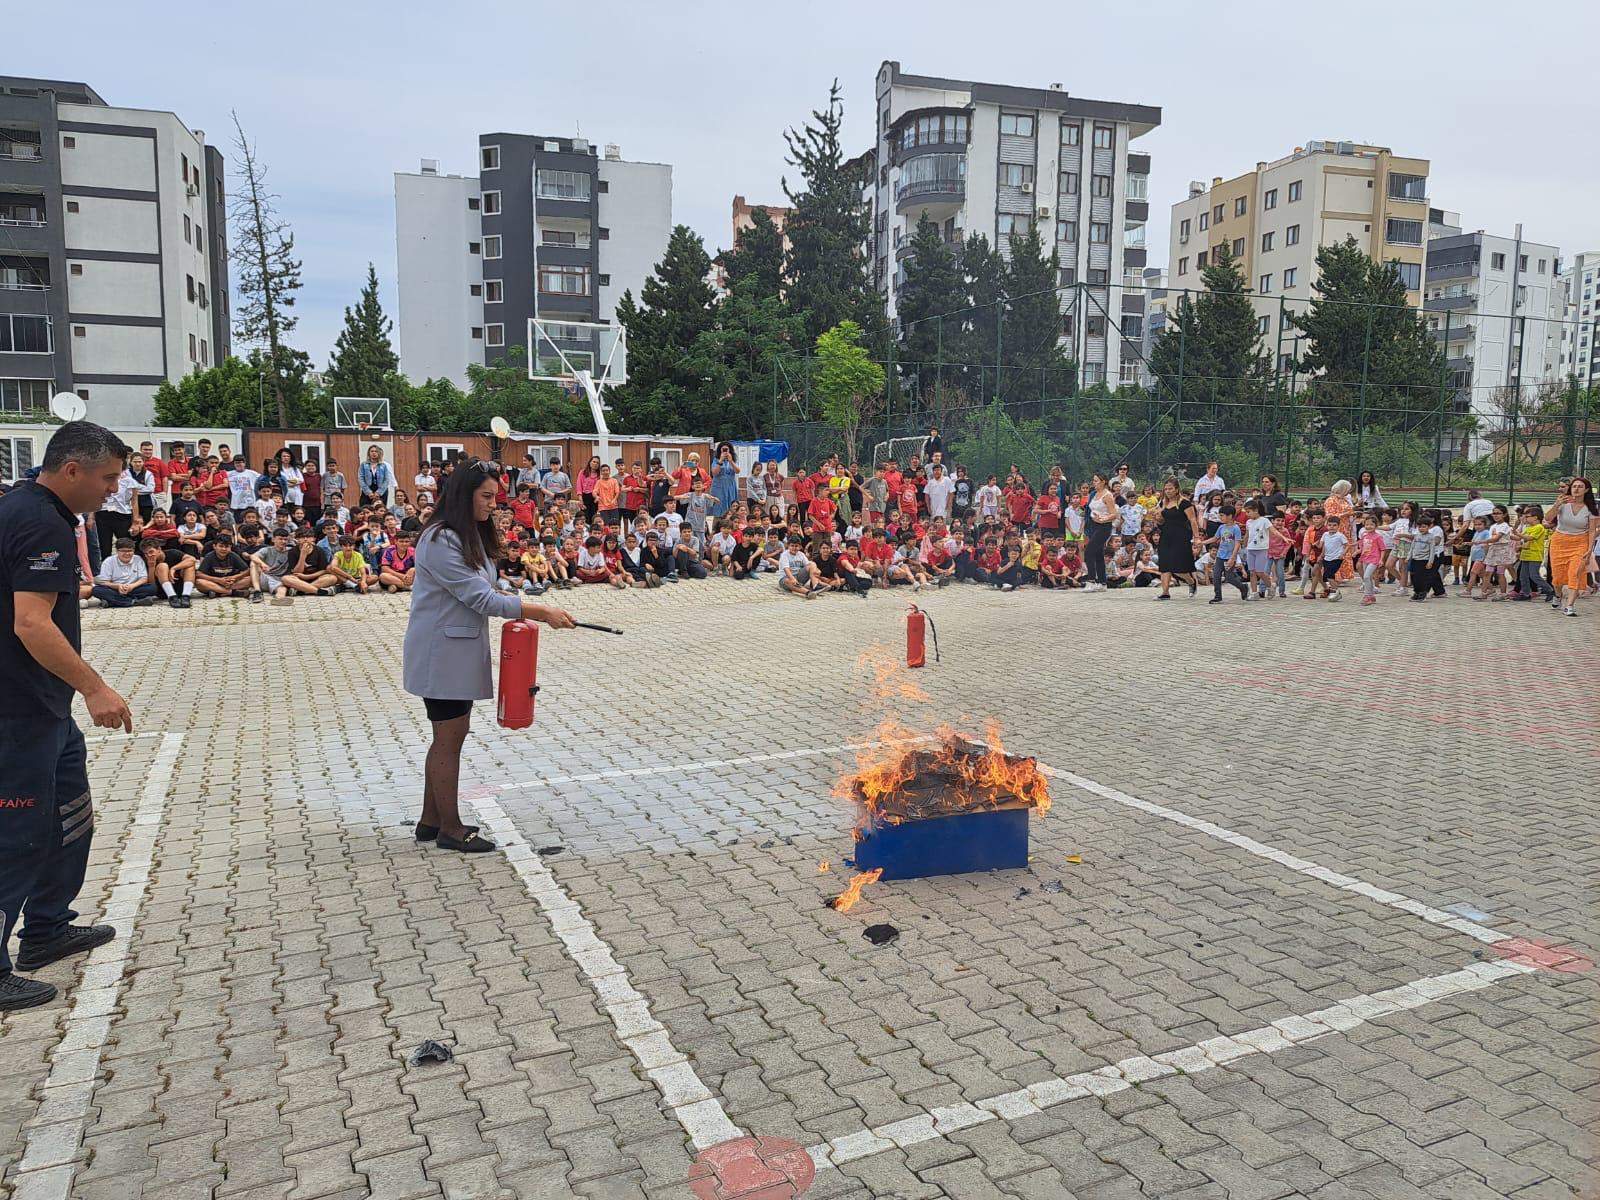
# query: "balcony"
1451, 303
1453, 270
14, 151
1456, 333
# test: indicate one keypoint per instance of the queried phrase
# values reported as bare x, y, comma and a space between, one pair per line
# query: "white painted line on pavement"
95, 739
51, 1139
1214, 1052
688, 1099
1348, 883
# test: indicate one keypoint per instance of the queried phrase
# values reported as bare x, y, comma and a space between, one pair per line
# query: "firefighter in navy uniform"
46, 815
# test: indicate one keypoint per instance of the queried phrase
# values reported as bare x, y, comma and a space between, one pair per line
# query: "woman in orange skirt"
1337, 509
1573, 523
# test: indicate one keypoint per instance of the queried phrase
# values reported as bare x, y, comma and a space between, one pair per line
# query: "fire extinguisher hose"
934, 631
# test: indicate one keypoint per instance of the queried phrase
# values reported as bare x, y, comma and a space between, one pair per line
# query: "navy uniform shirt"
38, 553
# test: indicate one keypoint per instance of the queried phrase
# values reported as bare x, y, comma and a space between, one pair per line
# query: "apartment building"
997, 160
1497, 305
1580, 349
113, 251
744, 218
1275, 217
548, 227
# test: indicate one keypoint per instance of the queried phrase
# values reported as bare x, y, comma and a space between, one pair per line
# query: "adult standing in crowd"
725, 480
446, 657
1273, 501
932, 444
46, 833
1475, 507
586, 481
1206, 484
1368, 495
1180, 528
1338, 510
375, 478
1574, 522
685, 477
1102, 512
119, 512
294, 491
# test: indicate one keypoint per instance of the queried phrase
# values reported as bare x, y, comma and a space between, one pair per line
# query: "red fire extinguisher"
918, 624
519, 669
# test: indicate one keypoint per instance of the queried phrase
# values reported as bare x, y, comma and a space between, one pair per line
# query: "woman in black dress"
1180, 526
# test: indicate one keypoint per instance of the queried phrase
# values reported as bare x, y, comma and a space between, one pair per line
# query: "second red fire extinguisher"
519, 674
918, 626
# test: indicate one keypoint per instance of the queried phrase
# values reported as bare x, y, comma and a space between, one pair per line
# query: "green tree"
827, 272
672, 367
266, 272
751, 334
364, 362
1030, 343
983, 273
238, 392
503, 389
756, 259
848, 382
929, 304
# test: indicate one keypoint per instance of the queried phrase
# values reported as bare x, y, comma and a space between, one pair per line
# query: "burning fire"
888, 683
846, 900
901, 778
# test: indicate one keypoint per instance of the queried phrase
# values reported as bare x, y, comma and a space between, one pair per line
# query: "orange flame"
990, 779
846, 900
887, 683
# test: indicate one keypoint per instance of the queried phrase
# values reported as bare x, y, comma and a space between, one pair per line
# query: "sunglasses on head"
485, 466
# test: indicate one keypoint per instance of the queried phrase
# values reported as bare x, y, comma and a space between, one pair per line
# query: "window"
1216, 215
439, 453
80, 331
477, 332
491, 245
493, 291
1068, 276
1183, 228
605, 280
1264, 284
74, 268
194, 350
1262, 325
72, 206
931, 131
1183, 265
1094, 325
1099, 275
1410, 275
1200, 261
603, 186
1238, 247
1240, 206
494, 335
489, 158
1290, 275
1541, 266
69, 142
1291, 236
1497, 262
1015, 174
1069, 326
16, 453
564, 281
1099, 231
1270, 198
603, 234
1072, 135
199, 237
1205, 220
185, 159
305, 452
474, 289
1408, 233
472, 247
1105, 137
1017, 124
23, 395
1522, 262
472, 203
1286, 320
1138, 187
1408, 187
1285, 361
1009, 224
200, 291
24, 335
562, 185
491, 204
189, 283
671, 458
1100, 185
1294, 191
188, 229
1069, 183
1266, 242
1066, 231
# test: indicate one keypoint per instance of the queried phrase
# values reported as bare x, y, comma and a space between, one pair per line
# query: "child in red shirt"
1019, 504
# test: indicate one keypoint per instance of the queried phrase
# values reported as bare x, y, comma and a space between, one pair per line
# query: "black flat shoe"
426, 833
16, 992
471, 844
75, 939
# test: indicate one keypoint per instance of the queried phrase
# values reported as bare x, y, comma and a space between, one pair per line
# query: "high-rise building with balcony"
1497, 306
995, 159
1273, 220
1580, 348
548, 228
113, 251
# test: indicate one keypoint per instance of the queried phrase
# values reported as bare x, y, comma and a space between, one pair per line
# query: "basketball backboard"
361, 412
561, 351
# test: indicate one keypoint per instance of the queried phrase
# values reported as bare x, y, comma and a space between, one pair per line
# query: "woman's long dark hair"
480, 540
1588, 495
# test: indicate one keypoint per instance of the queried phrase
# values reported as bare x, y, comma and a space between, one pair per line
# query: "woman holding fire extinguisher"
447, 660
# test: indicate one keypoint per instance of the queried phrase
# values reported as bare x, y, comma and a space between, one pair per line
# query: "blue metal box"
991, 840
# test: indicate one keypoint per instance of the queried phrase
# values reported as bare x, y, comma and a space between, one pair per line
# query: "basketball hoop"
364, 426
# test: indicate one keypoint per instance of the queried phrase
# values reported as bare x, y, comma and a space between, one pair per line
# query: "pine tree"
930, 301
827, 272
1030, 342
983, 273
364, 362
672, 369
756, 259
266, 272
1236, 367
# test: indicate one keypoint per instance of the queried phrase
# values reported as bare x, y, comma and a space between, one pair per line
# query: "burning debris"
846, 900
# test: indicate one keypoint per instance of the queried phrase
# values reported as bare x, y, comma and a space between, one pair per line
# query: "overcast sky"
339, 96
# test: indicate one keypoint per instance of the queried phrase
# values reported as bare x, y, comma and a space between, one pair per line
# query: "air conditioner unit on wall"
1027, 189
1044, 210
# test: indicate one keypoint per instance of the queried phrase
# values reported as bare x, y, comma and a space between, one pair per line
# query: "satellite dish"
498, 426
68, 406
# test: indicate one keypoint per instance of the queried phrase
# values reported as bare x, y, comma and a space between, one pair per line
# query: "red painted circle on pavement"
1546, 957
752, 1168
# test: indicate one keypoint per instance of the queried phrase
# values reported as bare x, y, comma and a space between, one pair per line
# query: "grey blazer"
447, 639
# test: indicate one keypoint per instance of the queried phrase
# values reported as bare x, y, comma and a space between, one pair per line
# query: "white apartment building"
994, 159
113, 251
1273, 220
1580, 349
1496, 304
548, 227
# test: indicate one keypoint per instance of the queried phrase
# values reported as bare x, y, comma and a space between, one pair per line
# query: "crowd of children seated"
214, 527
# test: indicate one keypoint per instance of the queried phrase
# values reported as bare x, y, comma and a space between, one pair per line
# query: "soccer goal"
900, 449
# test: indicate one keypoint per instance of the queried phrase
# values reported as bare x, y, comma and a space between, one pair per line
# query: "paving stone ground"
293, 944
